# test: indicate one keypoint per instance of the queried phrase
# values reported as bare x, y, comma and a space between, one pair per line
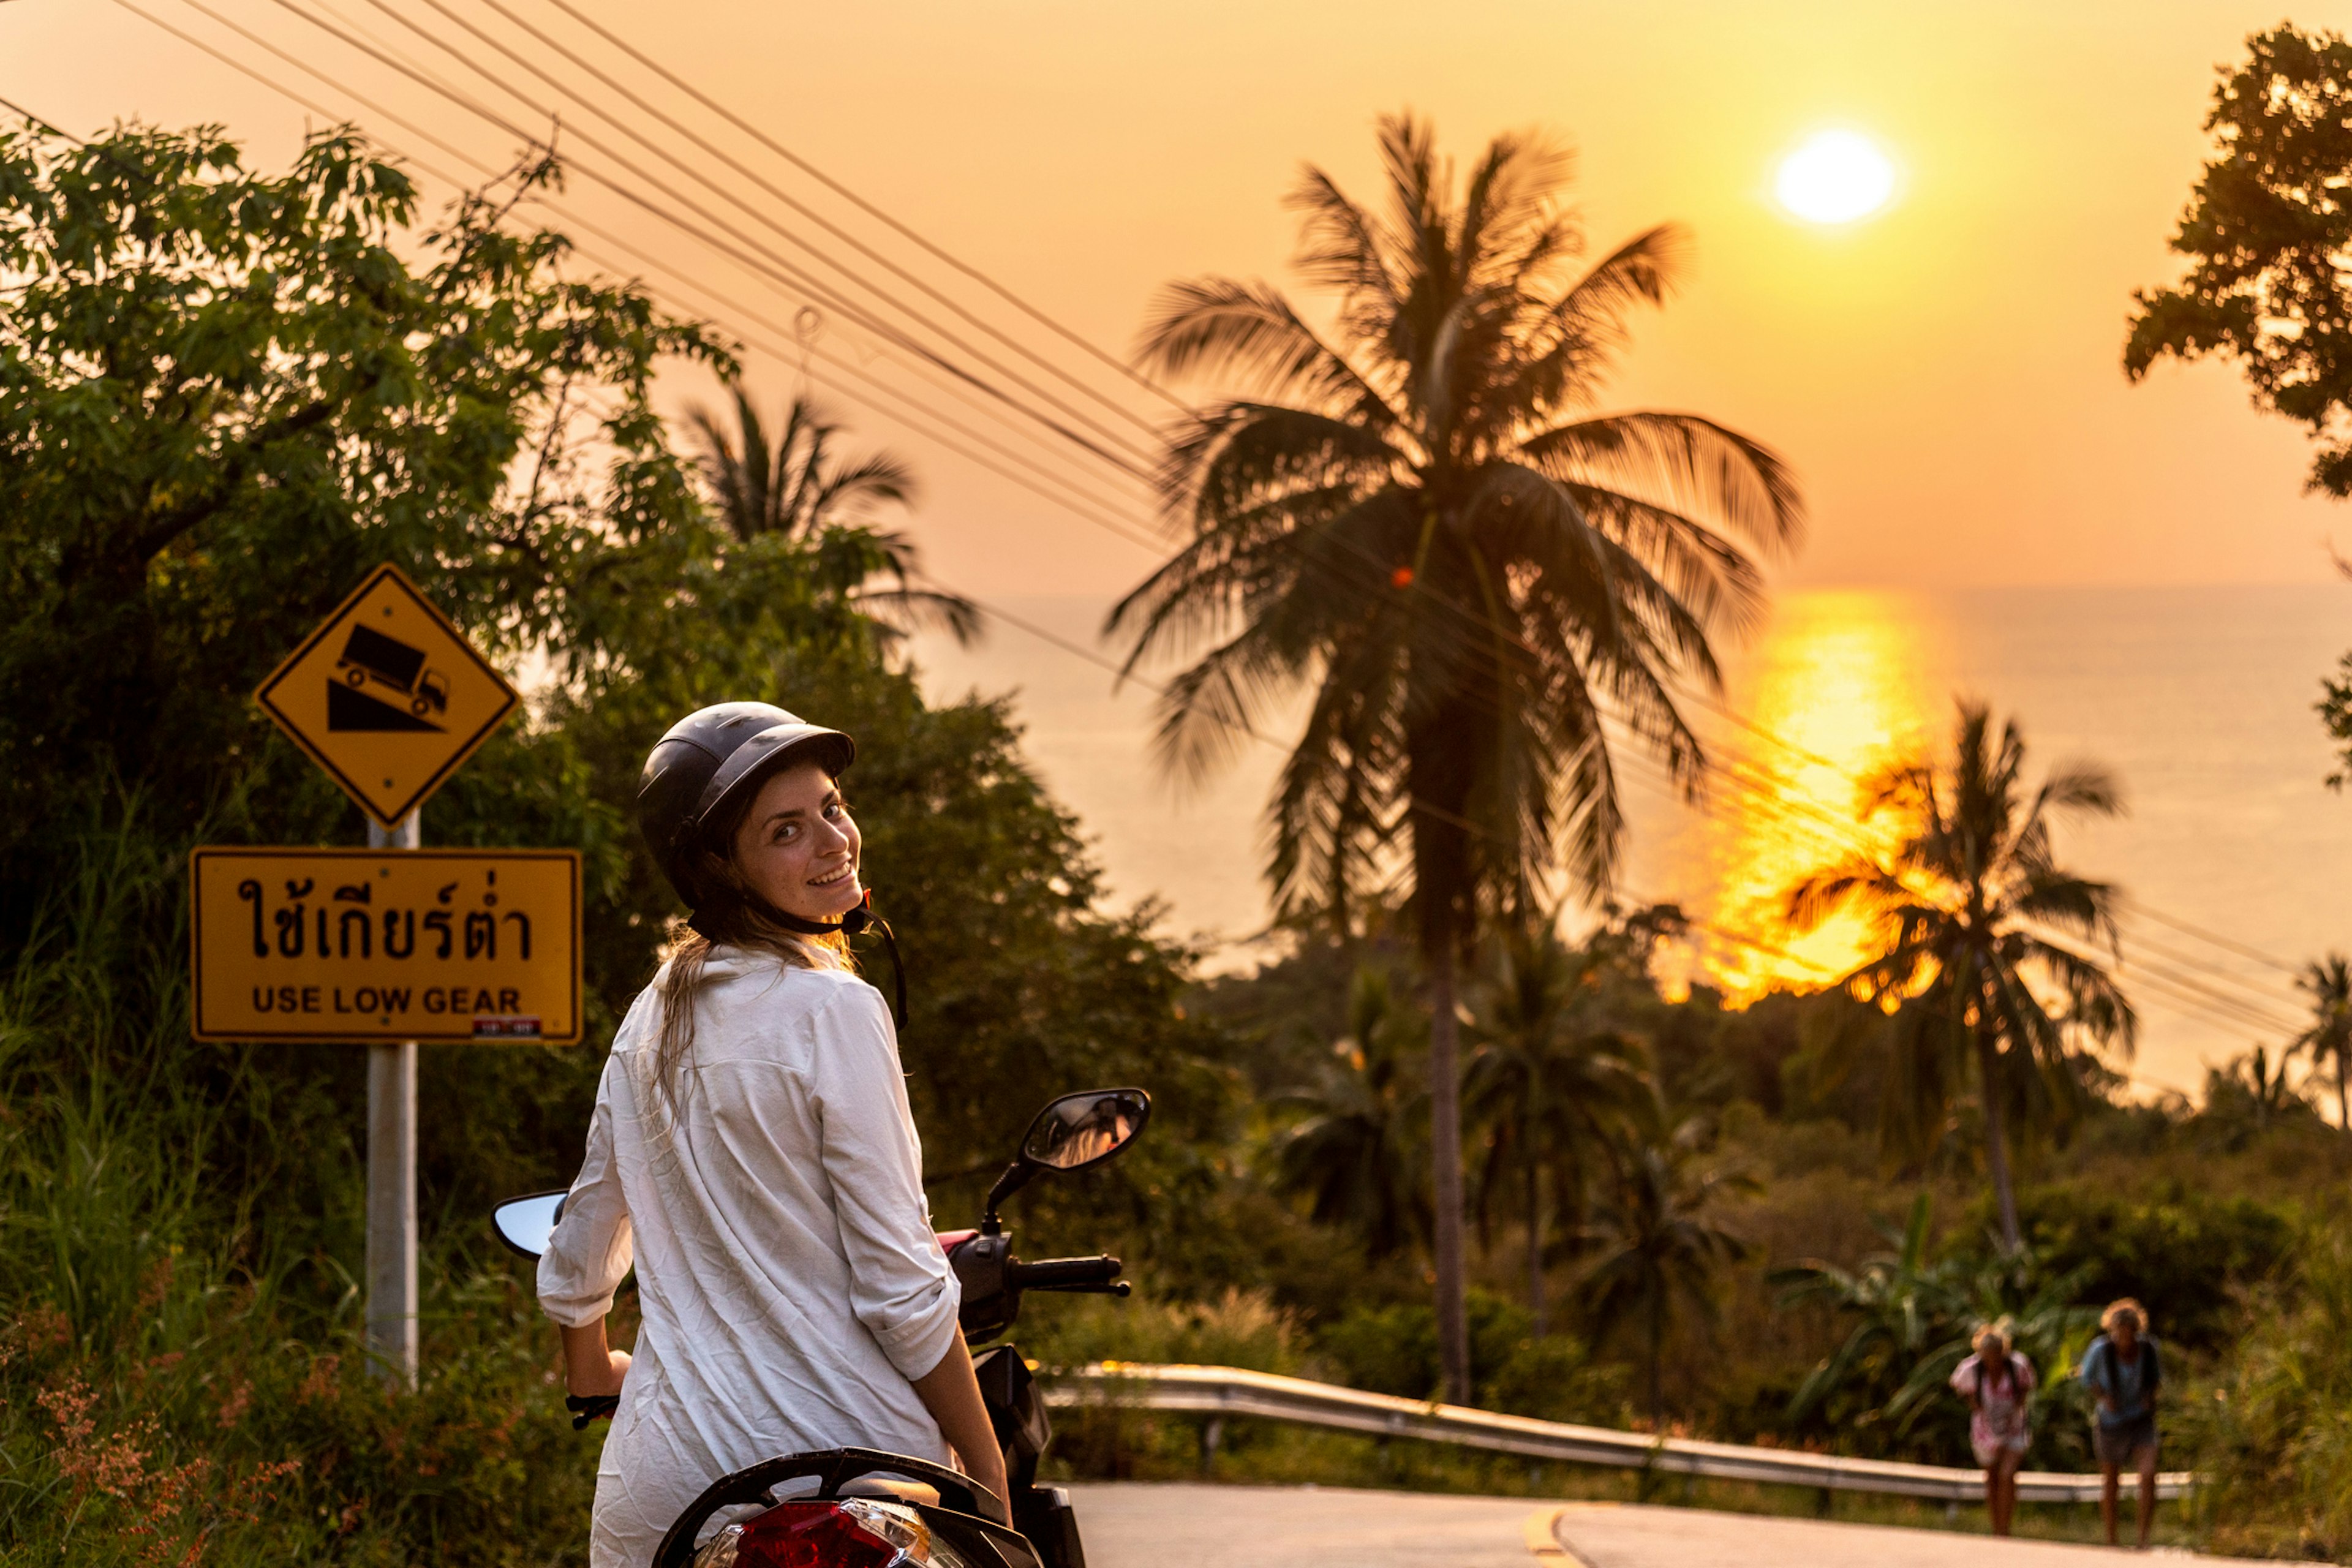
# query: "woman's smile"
798, 846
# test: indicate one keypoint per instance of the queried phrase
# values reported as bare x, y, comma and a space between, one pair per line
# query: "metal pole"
392, 1180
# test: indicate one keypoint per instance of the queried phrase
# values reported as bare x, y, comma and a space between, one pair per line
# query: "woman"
2125, 1375
1998, 1383
753, 1155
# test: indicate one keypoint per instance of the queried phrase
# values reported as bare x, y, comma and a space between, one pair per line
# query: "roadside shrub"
2185, 1252
2274, 1435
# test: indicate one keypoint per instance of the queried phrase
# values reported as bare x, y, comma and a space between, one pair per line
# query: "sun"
1836, 176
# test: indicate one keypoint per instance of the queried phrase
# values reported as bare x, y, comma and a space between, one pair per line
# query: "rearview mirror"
1071, 1133
1077, 1129
524, 1224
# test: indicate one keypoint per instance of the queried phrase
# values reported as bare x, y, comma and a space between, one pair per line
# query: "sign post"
389, 698
392, 1175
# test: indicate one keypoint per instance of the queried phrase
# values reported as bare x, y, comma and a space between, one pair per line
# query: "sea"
2233, 857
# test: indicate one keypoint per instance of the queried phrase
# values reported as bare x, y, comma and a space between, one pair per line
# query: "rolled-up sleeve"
900, 1286
592, 1246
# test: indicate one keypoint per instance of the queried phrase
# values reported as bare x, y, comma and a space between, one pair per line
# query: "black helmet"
708, 768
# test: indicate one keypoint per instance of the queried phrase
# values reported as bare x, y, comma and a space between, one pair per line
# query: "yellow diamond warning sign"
388, 697
381, 945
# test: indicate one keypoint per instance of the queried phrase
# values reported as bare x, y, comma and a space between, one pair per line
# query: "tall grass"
180, 1375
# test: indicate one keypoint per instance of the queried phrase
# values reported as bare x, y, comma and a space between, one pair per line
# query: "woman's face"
798, 848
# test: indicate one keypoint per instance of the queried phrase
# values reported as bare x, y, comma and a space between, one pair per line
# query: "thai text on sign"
368, 944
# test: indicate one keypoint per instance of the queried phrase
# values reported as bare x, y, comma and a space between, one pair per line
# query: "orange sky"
1944, 378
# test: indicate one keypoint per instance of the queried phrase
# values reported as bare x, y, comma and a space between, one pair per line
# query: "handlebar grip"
588, 1408
1060, 1272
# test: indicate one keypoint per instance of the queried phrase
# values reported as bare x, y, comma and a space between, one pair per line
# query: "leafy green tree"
1658, 1249
1356, 1155
798, 487
223, 395
1426, 525
1556, 1078
1958, 913
2328, 982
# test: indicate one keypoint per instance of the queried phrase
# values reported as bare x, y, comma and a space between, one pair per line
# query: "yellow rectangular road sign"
387, 696
381, 945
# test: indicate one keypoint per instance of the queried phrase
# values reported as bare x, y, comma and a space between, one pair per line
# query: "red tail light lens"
809, 1535
851, 1533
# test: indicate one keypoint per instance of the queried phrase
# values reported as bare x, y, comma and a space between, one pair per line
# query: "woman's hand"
951, 1394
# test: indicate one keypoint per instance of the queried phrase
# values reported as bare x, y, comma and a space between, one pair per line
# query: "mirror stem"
1016, 1177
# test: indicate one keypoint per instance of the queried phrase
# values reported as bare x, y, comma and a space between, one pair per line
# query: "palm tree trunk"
1535, 1241
1657, 1356
1997, 1141
1446, 1154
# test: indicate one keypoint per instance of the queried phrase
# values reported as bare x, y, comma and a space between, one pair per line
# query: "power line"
1027, 480
805, 211
728, 194
769, 142
385, 53
776, 270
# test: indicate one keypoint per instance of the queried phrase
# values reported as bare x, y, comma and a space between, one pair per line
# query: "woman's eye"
786, 833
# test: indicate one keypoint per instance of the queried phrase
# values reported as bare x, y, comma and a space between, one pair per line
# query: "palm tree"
796, 489
1424, 523
2328, 982
2248, 1094
1659, 1250
1554, 1076
1960, 912
1353, 1157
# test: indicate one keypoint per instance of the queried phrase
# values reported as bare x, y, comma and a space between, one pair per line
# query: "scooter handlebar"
1062, 1274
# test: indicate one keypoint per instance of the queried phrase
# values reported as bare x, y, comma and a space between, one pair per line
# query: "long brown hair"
733, 921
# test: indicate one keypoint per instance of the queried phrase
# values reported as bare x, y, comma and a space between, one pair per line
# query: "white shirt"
788, 1283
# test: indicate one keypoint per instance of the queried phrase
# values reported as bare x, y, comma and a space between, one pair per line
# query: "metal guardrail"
1229, 1390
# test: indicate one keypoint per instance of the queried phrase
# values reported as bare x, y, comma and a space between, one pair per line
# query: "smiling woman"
1836, 176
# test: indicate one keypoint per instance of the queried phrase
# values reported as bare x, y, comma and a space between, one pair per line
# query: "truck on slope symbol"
370, 655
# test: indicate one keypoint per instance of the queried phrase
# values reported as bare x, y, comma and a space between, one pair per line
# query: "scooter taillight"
851, 1533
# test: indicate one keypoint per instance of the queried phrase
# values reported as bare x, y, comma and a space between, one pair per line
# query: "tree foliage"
2265, 231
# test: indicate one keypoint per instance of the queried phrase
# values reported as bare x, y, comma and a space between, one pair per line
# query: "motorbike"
867, 1509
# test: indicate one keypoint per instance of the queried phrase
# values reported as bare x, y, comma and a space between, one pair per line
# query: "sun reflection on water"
1842, 678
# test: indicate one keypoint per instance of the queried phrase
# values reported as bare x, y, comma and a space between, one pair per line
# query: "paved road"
1163, 1526
1152, 1525
1605, 1535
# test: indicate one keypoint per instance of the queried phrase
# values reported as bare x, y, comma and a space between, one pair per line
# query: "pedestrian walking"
2125, 1376
753, 1156
1999, 1384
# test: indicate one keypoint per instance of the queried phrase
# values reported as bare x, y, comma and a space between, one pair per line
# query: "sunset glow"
1839, 678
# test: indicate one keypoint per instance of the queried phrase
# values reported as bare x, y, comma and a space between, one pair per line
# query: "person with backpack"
2125, 1376
1999, 1384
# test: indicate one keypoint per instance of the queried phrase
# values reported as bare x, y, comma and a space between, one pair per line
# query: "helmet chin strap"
858, 918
